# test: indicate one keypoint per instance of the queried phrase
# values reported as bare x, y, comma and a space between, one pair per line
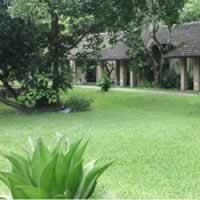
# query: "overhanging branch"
12, 104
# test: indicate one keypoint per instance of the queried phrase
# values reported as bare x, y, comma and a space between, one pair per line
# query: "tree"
131, 17
161, 12
191, 11
17, 51
59, 27
108, 68
134, 40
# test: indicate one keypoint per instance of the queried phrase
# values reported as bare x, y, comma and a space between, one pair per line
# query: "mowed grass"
154, 141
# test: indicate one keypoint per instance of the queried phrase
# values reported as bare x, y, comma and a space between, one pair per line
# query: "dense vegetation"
37, 38
191, 11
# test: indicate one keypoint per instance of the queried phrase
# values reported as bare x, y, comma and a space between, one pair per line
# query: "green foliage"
30, 10
38, 92
53, 174
136, 48
121, 14
166, 11
38, 37
105, 83
132, 16
78, 104
18, 47
146, 84
171, 80
191, 11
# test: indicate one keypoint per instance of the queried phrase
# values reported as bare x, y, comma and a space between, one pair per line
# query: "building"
186, 52
117, 59
185, 55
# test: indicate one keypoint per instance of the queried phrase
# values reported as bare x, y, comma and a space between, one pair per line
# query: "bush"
52, 174
146, 84
38, 92
171, 80
105, 84
78, 104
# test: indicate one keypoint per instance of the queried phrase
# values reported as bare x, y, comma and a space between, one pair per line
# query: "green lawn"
153, 139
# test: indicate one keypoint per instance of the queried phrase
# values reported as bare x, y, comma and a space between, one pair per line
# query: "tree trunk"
54, 48
157, 77
10, 89
14, 104
54, 52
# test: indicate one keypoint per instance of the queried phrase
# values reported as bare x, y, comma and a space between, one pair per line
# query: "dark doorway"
118, 72
128, 76
91, 68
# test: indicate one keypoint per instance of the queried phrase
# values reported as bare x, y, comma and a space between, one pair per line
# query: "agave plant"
53, 174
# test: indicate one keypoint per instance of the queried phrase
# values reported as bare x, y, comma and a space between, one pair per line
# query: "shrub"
146, 84
78, 104
38, 92
171, 80
105, 83
52, 174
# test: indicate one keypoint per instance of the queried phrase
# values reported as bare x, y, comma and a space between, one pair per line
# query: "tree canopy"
133, 16
51, 29
191, 11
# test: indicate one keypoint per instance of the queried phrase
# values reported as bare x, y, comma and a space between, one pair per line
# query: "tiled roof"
185, 50
119, 51
185, 38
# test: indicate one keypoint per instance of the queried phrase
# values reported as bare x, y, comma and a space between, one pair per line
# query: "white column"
123, 73
78, 74
99, 71
196, 74
73, 69
83, 76
184, 75
113, 74
132, 78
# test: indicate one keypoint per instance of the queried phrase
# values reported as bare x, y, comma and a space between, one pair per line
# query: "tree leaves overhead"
33, 10
191, 11
36, 38
166, 11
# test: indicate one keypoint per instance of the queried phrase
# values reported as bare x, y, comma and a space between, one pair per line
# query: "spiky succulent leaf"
60, 173
69, 157
28, 148
60, 146
32, 192
4, 178
74, 177
48, 179
91, 174
18, 194
57, 174
11, 180
16, 179
80, 150
60, 197
93, 180
20, 166
41, 158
